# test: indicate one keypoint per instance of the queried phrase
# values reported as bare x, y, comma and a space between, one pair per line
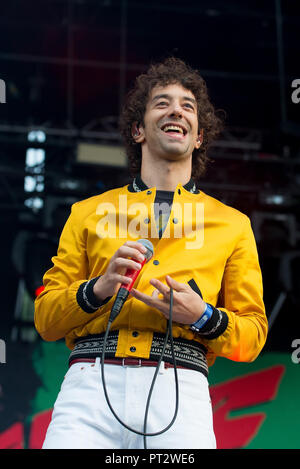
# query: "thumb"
174, 284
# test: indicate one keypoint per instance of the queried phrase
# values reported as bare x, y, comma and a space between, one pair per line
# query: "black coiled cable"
169, 333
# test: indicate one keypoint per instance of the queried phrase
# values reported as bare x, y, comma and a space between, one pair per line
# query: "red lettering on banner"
38, 429
236, 394
13, 437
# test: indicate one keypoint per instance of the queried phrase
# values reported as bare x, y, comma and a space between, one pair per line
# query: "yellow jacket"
205, 241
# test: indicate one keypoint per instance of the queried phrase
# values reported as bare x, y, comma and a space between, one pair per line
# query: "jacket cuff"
215, 326
86, 298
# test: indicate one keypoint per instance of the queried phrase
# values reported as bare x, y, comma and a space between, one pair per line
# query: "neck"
165, 175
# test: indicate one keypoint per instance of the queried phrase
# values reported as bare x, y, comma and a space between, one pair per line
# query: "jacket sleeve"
238, 327
67, 300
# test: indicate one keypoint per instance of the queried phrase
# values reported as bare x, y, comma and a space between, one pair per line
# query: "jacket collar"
138, 185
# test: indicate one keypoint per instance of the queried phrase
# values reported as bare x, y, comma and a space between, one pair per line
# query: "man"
204, 253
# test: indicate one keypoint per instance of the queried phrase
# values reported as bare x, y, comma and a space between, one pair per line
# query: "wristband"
86, 298
196, 326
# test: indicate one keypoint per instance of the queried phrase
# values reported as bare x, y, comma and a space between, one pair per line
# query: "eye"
189, 105
162, 103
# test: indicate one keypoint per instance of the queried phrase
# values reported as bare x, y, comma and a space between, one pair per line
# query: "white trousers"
82, 419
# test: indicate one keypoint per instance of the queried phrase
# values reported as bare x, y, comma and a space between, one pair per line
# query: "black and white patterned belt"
188, 353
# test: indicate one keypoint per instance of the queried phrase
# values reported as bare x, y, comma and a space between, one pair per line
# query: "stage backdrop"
255, 405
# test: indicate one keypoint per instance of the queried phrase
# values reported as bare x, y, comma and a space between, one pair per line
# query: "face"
170, 126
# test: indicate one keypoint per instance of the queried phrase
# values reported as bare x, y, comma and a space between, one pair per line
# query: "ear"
137, 132
199, 140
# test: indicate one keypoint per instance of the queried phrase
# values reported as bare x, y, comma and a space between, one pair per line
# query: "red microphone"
125, 288
132, 273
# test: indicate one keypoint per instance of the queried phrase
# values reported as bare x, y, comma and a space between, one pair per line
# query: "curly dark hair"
171, 71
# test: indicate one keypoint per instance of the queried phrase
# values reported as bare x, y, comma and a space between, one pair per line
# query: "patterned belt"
136, 362
188, 353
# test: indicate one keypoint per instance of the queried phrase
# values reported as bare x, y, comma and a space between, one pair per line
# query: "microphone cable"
169, 333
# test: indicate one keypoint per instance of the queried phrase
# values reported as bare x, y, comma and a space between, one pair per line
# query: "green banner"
255, 405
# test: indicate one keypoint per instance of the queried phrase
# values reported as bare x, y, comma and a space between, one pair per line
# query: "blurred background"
65, 67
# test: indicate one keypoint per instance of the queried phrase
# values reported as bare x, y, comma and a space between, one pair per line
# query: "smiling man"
167, 124
170, 126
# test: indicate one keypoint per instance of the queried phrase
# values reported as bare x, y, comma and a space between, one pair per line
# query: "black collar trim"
138, 185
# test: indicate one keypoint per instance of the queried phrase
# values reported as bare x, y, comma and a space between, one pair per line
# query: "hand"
109, 283
188, 306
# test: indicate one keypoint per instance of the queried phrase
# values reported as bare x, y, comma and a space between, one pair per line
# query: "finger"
155, 294
141, 296
136, 245
121, 263
127, 251
161, 287
172, 283
119, 278
154, 302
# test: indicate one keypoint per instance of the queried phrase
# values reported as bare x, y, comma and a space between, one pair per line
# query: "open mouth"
174, 130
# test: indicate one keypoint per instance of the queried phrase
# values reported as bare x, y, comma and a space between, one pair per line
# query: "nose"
176, 110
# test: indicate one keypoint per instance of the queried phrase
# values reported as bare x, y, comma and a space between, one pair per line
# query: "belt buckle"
137, 366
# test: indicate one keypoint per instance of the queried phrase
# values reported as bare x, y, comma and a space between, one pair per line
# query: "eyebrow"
167, 96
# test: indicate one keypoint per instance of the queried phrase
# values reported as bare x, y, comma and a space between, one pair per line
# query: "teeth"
173, 127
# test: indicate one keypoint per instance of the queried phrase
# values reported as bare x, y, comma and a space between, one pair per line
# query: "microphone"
125, 288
